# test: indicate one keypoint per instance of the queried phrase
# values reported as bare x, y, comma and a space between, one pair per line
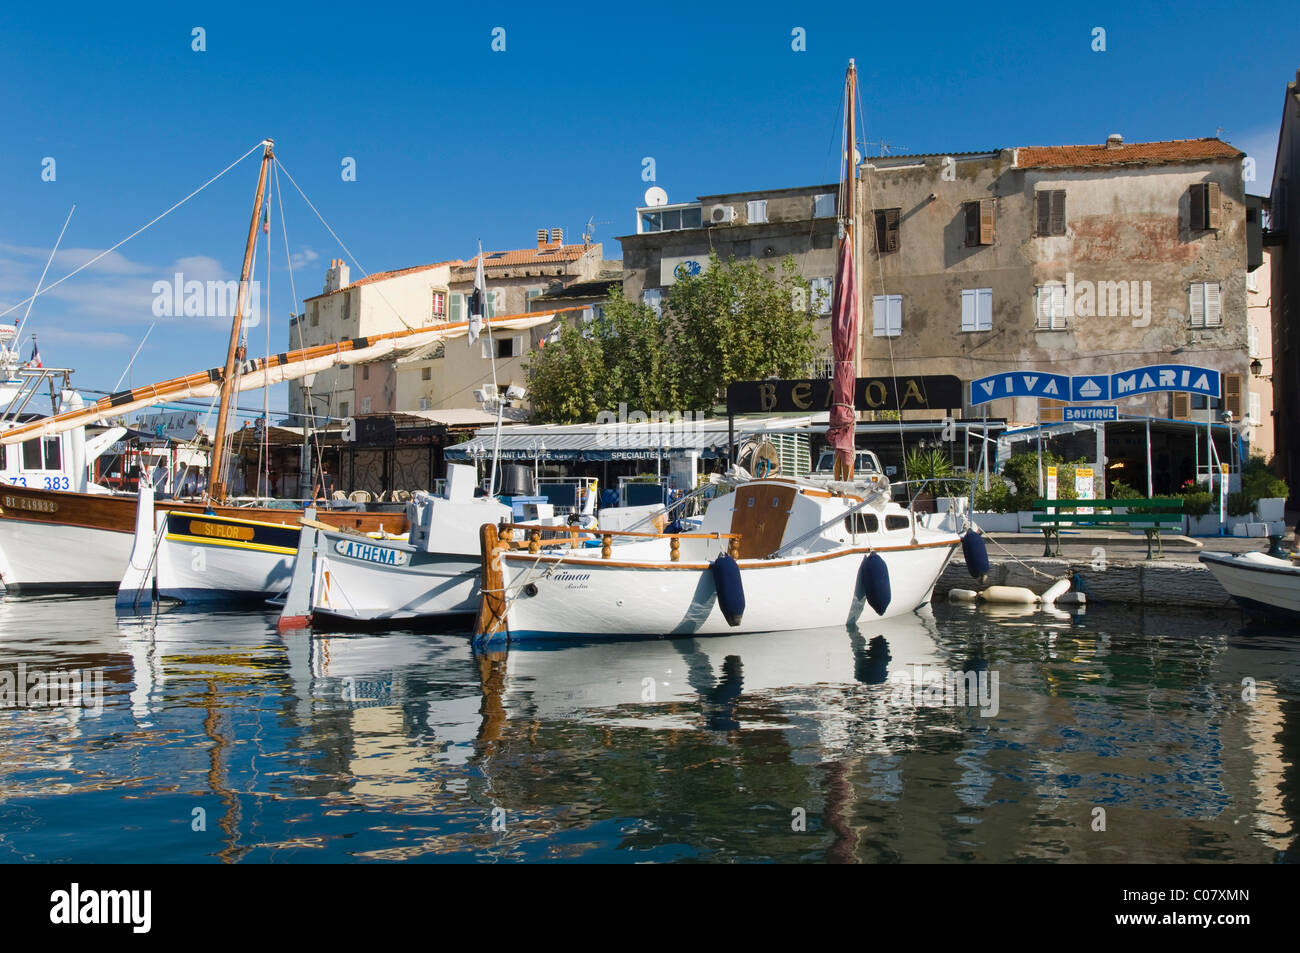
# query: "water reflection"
947, 736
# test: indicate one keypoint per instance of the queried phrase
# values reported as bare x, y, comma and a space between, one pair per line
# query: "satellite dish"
655, 196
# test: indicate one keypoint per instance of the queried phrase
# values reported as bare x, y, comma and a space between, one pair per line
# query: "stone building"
1283, 239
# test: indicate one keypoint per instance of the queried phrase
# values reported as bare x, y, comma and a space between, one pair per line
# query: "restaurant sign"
909, 392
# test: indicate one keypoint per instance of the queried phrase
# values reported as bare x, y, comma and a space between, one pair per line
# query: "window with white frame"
820, 291
365, 405
530, 295
977, 309
822, 368
503, 347
1255, 410
824, 205
1204, 305
654, 297
887, 316
426, 403
1050, 307
496, 302
756, 212
439, 306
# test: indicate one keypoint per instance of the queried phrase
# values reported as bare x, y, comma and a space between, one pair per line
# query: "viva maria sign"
1131, 383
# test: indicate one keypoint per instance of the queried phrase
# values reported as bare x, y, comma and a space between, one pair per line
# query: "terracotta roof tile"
1130, 153
530, 256
397, 273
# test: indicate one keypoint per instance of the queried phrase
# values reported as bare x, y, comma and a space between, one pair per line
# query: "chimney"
337, 276
1114, 141
541, 238
557, 236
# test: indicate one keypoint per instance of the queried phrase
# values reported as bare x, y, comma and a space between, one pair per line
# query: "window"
365, 405
1050, 308
1051, 411
824, 205
979, 223
1206, 206
1182, 405
1231, 396
977, 309
671, 219
823, 368
426, 373
1252, 281
887, 316
1252, 340
32, 455
756, 212
530, 295
654, 298
457, 307
439, 311
820, 291
1049, 211
343, 408
496, 302
887, 229
1203, 304
1255, 409
315, 314
365, 372
426, 403
503, 346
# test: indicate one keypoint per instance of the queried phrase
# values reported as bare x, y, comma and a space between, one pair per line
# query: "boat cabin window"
862, 523
35, 459
896, 522
32, 455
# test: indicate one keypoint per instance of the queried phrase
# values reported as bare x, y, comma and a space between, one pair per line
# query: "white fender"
962, 595
1055, 591
1011, 595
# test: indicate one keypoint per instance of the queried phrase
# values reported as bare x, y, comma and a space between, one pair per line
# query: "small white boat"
1262, 584
777, 554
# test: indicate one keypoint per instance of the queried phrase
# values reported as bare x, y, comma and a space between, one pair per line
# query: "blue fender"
873, 583
731, 591
975, 553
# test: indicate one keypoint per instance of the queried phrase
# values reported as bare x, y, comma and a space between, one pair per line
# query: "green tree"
738, 321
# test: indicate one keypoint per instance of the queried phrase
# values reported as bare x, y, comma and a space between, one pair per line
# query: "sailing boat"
776, 554
60, 540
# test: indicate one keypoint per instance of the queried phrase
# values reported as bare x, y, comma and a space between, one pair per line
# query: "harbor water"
952, 735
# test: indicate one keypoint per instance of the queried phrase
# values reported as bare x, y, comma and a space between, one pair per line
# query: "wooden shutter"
986, 221
972, 223
1043, 212
1213, 305
1182, 405
1213, 203
1050, 411
887, 229
1196, 304
1058, 212
1232, 394
1197, 197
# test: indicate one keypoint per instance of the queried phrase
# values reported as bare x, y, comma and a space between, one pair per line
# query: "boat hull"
594, 597
206, 559
1261, 585
63, 541
363, 581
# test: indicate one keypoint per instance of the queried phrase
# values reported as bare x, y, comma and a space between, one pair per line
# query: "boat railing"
537, 538
941, 489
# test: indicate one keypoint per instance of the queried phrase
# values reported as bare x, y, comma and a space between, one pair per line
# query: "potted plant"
928, 465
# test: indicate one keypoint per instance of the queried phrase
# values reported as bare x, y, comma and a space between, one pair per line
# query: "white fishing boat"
1262, 584
776, 554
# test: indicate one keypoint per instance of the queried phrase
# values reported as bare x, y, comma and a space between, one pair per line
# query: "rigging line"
18, 336
127, 370
266, 391
335, 236
109, 251
880, 274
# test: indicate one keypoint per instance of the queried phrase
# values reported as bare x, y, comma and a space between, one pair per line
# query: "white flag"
477, 300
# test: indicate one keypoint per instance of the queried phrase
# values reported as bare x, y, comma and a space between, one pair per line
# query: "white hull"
1259, 582
40, 556
205, 559
388, 580
582, 597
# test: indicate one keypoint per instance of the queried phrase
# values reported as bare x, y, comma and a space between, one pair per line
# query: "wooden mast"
216, 468
844, 468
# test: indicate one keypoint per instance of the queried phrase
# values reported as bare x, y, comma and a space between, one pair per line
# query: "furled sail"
264, 372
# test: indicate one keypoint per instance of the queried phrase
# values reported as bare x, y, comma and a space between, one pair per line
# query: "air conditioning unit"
721, 214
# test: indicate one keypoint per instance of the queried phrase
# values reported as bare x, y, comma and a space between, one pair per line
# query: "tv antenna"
589, 232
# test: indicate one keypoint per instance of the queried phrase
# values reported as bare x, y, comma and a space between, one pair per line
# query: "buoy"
962, 595
975, 553
731, 592
1009, 595
873, 582
1055, 591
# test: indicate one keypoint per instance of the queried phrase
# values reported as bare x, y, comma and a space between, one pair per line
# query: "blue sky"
454, 142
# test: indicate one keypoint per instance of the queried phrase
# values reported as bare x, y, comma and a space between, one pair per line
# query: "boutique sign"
1153, 378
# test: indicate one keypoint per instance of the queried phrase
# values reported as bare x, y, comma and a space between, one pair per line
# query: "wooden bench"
1149, 515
